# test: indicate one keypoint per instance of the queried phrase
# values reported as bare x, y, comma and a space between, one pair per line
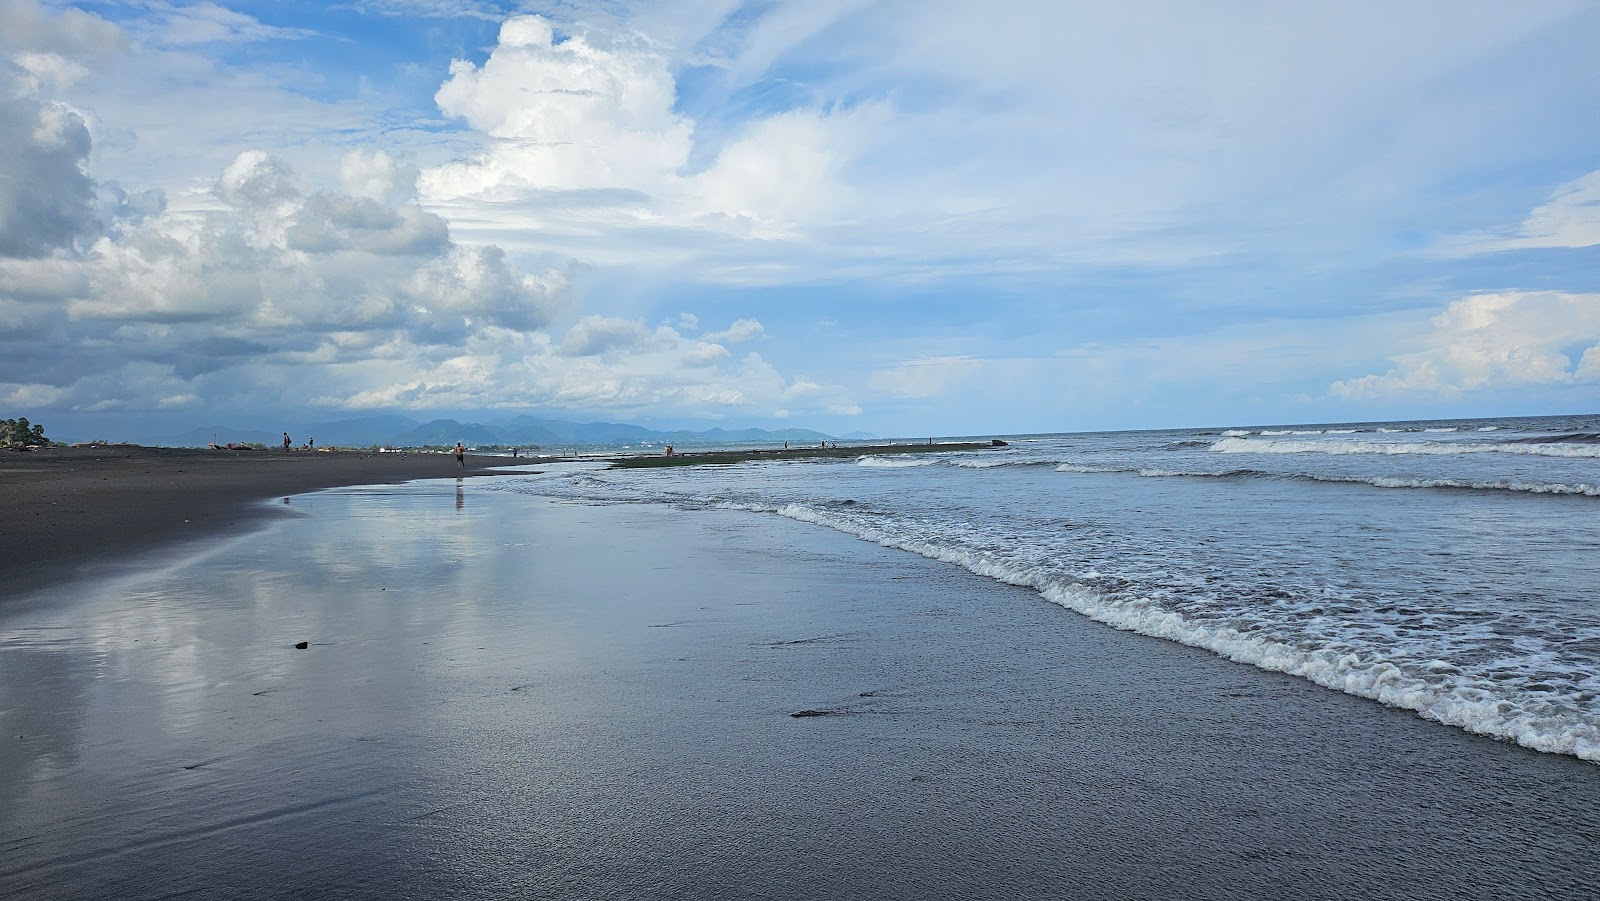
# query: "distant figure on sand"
312, 444
286, 442
669, 450
461, 456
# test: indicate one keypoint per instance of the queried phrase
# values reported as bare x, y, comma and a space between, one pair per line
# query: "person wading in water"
461, 456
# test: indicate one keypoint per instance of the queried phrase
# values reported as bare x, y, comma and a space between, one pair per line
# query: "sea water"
1447, 567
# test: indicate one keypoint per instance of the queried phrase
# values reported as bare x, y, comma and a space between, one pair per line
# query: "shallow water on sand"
505, 697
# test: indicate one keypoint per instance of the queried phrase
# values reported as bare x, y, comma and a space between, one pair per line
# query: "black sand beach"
70, 510
506, 697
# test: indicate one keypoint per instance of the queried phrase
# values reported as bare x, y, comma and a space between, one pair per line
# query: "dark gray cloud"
171, 307
48, 202
330, 222
256, 180
593, 335
47, 199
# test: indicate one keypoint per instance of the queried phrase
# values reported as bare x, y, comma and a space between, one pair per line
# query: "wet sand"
505, 697
71, 511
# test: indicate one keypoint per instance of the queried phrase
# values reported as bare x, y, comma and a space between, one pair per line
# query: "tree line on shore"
19, 434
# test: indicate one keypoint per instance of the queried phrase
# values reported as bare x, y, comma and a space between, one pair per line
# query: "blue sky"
897, 217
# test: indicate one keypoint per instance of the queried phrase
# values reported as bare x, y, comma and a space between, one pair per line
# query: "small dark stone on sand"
302, 645
815, 713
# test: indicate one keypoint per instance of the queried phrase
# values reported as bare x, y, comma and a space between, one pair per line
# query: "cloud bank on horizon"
903, 217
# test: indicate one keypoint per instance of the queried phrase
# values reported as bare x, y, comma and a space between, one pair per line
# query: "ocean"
1443, 567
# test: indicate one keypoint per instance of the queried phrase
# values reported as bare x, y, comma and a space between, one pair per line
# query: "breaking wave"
1078, 467
1587, 489
892, 462
1486, 703
1542, 448
999, 464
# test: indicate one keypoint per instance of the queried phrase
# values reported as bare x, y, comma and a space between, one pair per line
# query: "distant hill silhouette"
519, 431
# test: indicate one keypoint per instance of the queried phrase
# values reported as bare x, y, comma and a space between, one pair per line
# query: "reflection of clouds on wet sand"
183, 693
42, 695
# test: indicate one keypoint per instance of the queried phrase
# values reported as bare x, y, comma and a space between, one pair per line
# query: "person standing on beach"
461, 456
286, 442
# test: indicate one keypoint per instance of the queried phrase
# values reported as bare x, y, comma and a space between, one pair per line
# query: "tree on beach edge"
19, 434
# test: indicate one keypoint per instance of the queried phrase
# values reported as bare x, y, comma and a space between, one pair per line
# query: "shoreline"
86, 510
593, 708
76, 511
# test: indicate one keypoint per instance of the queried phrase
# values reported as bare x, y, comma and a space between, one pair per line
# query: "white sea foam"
1450, 429
1568, 488
1079, 467
1155, 473
1445, 694
1438, 448
1276, 432
892, 462
1236, 433
1578, 488
1002, 462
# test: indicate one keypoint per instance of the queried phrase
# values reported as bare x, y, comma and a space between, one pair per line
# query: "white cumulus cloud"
740, 331
563, 115
376, 175
1489, 341
583, 140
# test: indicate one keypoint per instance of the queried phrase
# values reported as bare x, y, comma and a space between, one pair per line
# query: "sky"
902, 217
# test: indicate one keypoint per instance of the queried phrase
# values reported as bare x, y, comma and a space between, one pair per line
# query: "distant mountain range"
521, 431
